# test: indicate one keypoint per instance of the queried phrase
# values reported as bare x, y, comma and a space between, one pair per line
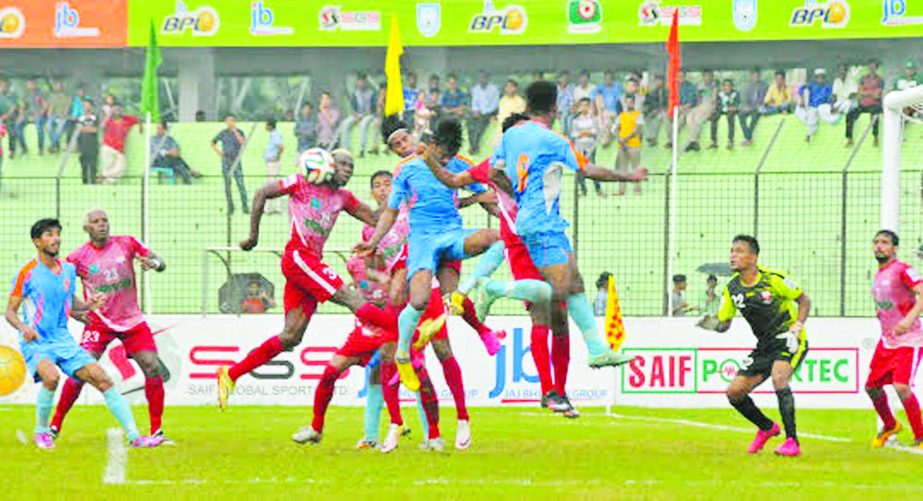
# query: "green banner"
316, 23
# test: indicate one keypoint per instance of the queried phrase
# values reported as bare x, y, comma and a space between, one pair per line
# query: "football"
318, 165
12, 370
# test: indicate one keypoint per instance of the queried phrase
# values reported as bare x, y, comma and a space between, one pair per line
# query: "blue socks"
122, 412
373, 404
43, 405
490, 260
535, 291
407, 323
580, 310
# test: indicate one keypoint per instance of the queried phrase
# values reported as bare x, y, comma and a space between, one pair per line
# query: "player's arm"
499, 178
608, 175
385, 222
153, 261
271, 190
12, 318
906, 323
447, 177
364, 213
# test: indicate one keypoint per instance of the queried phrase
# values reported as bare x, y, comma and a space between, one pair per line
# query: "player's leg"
782, 371
904, 374
460, 304
881, 373
47, 373
322, 396
93, 373
95, 338
738, 394
374, 402
430, 402
139, 344
420, 292
453, 378
390, 387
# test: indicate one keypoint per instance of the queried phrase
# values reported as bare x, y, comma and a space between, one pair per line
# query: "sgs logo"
511, 20
203, 21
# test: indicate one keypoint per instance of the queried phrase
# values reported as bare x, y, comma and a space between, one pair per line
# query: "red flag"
673, 69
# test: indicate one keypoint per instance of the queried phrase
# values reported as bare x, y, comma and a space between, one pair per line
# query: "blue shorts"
68, 355
426, 250
548, 248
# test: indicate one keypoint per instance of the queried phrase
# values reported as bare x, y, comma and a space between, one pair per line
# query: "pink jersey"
506, 204
313, 210
110, 270
894, 297
391, 247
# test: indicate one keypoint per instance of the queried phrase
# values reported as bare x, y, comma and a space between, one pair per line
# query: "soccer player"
313, 210
105, 264
45, 287
767, 300
528, 164
898, 295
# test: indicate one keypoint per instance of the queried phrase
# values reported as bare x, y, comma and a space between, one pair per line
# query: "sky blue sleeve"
398, 190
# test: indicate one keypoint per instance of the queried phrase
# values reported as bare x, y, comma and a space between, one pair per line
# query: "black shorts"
759, 361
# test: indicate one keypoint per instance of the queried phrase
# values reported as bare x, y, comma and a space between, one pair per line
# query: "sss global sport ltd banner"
320, 23
677, 364
63, 23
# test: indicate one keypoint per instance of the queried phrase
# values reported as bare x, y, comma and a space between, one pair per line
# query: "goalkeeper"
766, 299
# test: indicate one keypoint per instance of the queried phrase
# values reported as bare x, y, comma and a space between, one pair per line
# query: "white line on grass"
116, 458
904, 448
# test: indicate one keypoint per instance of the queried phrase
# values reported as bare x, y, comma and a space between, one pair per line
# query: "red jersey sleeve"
130, 120
910, 277
138, 248
289, 183
350, 202
481, 171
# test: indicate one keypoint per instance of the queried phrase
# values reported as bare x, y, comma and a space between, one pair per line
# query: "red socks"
430, 402
453, 378
390, 392
323, 395
471, 317
884, 411
541, 356
560, 358
912, 407
69, 395
153, 391
262, 354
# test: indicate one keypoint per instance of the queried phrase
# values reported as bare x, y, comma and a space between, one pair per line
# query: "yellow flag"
394, 99
615, 328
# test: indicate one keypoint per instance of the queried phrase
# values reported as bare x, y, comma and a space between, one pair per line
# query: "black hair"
514, 82
390, 125
362, 76
708, 70
163, 123
271, 122
43, 225
584, 100
448, 135
603, 279
452, 76
756, 69
513, 119
751, 241
890, 234
680, 278
712, 277
541, 97
377, 175
728, 81
585, 72
780, 73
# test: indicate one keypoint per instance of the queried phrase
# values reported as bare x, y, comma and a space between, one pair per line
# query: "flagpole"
145, 203
671, 241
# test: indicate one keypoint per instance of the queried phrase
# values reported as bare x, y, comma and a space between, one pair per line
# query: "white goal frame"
894, 118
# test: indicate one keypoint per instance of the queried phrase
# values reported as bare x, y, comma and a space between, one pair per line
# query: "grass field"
518, 453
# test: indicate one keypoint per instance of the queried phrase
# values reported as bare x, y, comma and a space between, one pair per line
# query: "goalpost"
899, 108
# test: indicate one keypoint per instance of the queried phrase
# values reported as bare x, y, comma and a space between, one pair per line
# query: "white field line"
116, 457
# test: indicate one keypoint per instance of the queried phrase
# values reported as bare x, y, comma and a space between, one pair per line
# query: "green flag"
150, 95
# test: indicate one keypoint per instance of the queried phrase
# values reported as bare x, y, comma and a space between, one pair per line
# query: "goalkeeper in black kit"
776, 309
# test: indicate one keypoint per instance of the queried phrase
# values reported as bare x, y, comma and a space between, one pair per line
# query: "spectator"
537, 76
751, 101
816, 101
678, 302
910, 78
411, 95
688, 98
583, 89
845, 90
165, 152
707, 97
76, 111
606, 96
289, 115
108, 104
584, 132
199, 116
328, 121
655, 110
2, 135
433, 95
711, 300
728, 104
602, 293
362, 100
9, 112
88, 141
257, 300
778, 97
632, 89
629, 130
232, 142
272, 155
453, 101
115, 131
306, 128
57, 111
423, 119
485, 99
565, 101
510, 103
870, 89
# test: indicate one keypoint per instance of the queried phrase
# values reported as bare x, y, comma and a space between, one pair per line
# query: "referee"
767, 300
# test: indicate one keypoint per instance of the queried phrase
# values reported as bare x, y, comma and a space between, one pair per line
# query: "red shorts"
520, 261
307, 281
435, 308
894, 366
360, 344
97, 336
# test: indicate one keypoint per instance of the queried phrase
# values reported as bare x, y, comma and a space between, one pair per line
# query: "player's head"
444, 143
343, 165
541, 98
513, 119
744, 252
396, 135
381, 186
96, 224
884, 245
46, 235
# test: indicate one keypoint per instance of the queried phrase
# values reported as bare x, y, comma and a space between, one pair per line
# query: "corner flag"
615, 328
394, 98
150, 95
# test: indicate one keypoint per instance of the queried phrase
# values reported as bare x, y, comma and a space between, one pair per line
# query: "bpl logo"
510, 21
12, 22
834, 14
203, 21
